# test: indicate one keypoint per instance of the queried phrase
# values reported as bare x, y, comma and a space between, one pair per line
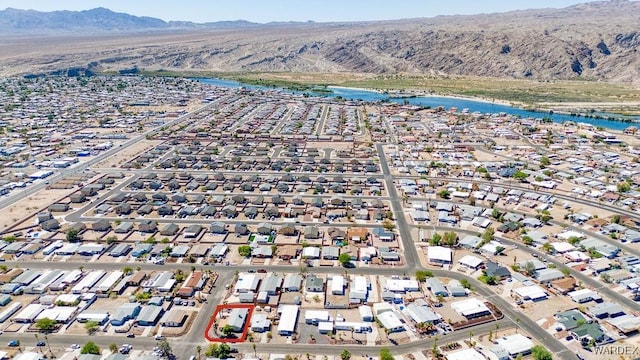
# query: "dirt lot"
31, 205
128, 153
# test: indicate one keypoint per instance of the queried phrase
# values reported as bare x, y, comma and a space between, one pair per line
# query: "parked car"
13, 343
40, 343
131, 335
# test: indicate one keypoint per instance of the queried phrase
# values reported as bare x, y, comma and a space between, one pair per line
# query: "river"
435, 101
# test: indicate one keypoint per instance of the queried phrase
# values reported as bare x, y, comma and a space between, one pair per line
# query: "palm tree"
253, 346
37, 342
517, 324
199, 350
470, 336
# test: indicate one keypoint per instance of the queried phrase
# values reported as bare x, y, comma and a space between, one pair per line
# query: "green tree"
544, 162
422, 275
488, 279
221, 351
90, 348
435, 239
573, 240
540, 353
91, 326
345, 355
527, 240
112, 239
488, 234
385, 354
388, 224
520, 175
9, 238
227, 330
344, 259
529, 268
113, 347
244, 250
72, 235
143, 296
449, 238
165, 348
623, 187
465, 283
547, 247
46, 324
127, 270
445, 194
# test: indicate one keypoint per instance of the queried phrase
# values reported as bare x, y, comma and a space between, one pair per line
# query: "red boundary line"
247, 323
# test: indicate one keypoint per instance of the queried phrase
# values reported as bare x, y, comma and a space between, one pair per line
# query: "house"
169, 230
314, 284
588, 332
496, 270
192, 231
265, 228
292, 282
330, 252
439, 255
50, 225
101, 225
147, 226
123, 209
124, 227
77, 198
516, 344
165, 210
218, 227
237, 319
288, 230
241, 229
58, 207
311, 232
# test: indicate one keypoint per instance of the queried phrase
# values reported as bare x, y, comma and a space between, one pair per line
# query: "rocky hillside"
597, 40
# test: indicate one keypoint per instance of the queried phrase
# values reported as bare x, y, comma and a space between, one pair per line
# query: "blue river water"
435, 101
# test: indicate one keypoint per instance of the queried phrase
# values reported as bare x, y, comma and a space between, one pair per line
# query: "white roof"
381, 307
469, 307
326, 326
565, 235
322, 315
311, 252
30, 312
582, 293
247, 282
470, 261
531, 292
439, 253
288, 318
515, 344
466, 354
562, 247
389, 320
58, 313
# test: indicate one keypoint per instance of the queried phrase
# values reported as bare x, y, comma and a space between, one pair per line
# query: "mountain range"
597, 40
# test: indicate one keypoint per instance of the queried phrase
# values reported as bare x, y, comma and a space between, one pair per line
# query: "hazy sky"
289, 10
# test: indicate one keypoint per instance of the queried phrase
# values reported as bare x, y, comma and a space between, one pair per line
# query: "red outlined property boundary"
245, 330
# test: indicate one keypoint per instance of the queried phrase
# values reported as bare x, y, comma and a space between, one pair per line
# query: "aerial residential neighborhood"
264, 219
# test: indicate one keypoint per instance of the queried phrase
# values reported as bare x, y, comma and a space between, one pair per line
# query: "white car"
75, 346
